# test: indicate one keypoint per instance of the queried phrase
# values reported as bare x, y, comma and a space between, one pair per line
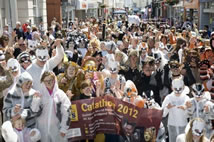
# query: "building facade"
80, 9
207, 14
33, 11
1, 22
54, 11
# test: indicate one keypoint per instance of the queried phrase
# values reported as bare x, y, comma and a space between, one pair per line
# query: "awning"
82, 5
136, 9
208, 10
92, 4
206, 0
120, 12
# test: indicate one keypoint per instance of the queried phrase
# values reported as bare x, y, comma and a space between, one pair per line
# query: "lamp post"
10, 25
1, 28
11, 13
113, 7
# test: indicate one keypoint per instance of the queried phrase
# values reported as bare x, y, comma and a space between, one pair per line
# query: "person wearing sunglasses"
172, 70
20, 47
54, 119
24, 60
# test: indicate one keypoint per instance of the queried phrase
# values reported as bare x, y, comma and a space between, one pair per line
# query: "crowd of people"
150, 65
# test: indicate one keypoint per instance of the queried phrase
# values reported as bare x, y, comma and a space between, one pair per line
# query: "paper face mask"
198, 128
197, 90
13, 64
32, 44
178, 86
42, 54
113, 67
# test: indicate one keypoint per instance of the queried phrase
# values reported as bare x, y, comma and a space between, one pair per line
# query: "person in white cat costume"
44, 63
200, 106
16, 131
54, 120
174, 106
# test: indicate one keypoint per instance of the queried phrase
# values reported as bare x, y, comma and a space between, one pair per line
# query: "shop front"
81, 9
207, 13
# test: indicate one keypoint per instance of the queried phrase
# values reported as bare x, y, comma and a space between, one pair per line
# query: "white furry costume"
197, 110
36, 71
15, 66
55, 117
10, 134
16, 96
177, 117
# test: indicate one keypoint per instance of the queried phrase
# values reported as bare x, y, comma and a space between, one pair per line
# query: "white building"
119, 4
1, 20
22, 10
114, 4
8, 12
141, 3
128, 3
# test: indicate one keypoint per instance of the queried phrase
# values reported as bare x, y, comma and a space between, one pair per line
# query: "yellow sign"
74, 114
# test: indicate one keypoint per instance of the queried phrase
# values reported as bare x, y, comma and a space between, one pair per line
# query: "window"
34, 3
207, 5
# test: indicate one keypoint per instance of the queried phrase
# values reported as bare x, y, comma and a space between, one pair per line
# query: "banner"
192, 4
133, 19
109, 115
82, 5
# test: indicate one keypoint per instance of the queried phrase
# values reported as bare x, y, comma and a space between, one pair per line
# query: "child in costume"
16, 131
199, 106
174, 106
